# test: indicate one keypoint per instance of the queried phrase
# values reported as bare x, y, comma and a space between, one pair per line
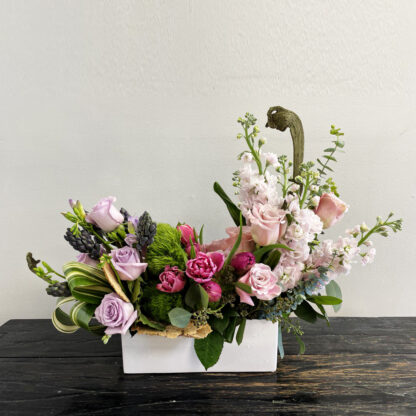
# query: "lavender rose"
105, 215
172, 280
115, 314
204, 266
127, 262
86, 259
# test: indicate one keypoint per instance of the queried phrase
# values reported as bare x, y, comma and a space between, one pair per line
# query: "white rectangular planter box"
154, 354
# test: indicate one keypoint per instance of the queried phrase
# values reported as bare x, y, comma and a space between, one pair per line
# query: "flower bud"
363, 227
315, 200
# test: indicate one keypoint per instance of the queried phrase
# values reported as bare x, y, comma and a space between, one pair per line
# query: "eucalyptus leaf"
209, 349
333, 289
179, 317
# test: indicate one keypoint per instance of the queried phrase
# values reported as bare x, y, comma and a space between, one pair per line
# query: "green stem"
305, 191
252, 150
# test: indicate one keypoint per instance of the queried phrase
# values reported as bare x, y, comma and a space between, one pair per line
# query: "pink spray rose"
330, 209
263, 283
105, 215
126, 261
214, 291
226, 244
187, 234
172, 280
267, 223
204, 266
115, 314
243, 261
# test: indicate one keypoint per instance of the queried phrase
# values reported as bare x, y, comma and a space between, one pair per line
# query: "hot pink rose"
105, 215
330, 209
226, 244
187, 234
172, 280
243, 261
214, 291
267, 223
127, 262
204, 266
263, 283
115, 314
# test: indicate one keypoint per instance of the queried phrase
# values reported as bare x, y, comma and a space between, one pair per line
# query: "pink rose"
267, 223
204, 266
105, 215
263, 283
214, 291
115, 314
86, 259
226, 244
330, 209
126, 262
172, 280
187, 234
243, 261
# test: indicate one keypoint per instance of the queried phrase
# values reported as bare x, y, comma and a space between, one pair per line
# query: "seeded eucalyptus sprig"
381, 227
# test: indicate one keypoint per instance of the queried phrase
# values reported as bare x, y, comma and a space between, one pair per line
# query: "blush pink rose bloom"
172, 280
330, 209
126, 262
226, 244
204, 266
263, 283
214, 291
115, 314
187, 234
268, 223
105, 215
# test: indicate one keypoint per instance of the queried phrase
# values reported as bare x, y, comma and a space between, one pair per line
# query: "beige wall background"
139, 99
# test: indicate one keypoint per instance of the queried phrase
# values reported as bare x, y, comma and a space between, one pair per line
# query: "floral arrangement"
135, 275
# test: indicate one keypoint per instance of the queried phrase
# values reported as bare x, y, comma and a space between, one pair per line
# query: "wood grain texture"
357, 366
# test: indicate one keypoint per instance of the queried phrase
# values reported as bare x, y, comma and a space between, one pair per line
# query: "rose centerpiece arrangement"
133, 275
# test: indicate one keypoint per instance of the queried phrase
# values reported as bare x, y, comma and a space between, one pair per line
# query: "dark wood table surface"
356, 366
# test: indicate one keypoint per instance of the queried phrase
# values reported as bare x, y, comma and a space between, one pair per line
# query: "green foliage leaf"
325, 300
179, 317
246, 288
234, 211
87, 284
209, 349
235, 246
240, 332
273, 258
329, 157
333, 289
280, 343
152, 324
218, 324
230, 330
330, 149
306, 312
196, 297
258, 254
